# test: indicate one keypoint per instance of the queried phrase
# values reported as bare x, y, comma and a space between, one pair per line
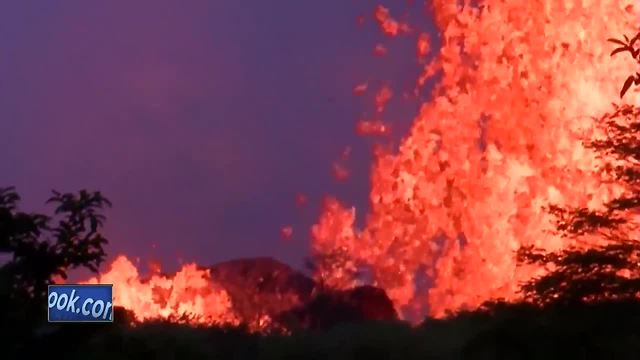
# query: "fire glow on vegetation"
500, 140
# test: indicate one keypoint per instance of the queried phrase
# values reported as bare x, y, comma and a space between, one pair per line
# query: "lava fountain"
190, 294
500, 139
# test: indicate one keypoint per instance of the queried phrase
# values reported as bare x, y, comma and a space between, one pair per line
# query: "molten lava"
500, 139
360, 89
380, 50
190, 292
383, 96
389, 26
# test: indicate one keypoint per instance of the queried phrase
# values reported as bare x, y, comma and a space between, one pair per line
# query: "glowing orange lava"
423, 46
190, 292
286, 232
372, 127
383, 96
380, 50
389, 26
499, 140
360, 89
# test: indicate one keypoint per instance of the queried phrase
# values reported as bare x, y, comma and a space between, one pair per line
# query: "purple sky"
200, 120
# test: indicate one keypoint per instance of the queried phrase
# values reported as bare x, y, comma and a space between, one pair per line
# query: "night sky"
200, 120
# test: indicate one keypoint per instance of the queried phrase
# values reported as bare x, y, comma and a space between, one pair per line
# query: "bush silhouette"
331, 308
41, 248
609, 269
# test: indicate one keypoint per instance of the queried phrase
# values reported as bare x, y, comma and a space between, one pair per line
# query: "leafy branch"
40, 251
628, 45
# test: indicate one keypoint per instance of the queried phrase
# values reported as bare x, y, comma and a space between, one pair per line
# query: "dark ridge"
334, 307
262, 286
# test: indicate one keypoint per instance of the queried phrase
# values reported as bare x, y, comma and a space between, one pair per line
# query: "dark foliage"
605, 330
628, 45
262, 286
330, 308
610, 267
42, 247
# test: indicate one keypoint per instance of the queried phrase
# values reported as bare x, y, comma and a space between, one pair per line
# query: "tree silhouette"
609, 269
40, 251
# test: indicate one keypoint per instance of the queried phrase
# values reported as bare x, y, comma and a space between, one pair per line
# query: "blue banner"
80, 303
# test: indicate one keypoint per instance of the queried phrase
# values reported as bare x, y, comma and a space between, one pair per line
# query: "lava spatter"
500, 139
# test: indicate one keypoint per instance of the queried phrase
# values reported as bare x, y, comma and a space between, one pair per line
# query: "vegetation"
507, 331
39, 251
611, 269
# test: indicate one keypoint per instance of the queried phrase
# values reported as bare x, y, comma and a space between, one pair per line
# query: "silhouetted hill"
331, 308
262, 285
